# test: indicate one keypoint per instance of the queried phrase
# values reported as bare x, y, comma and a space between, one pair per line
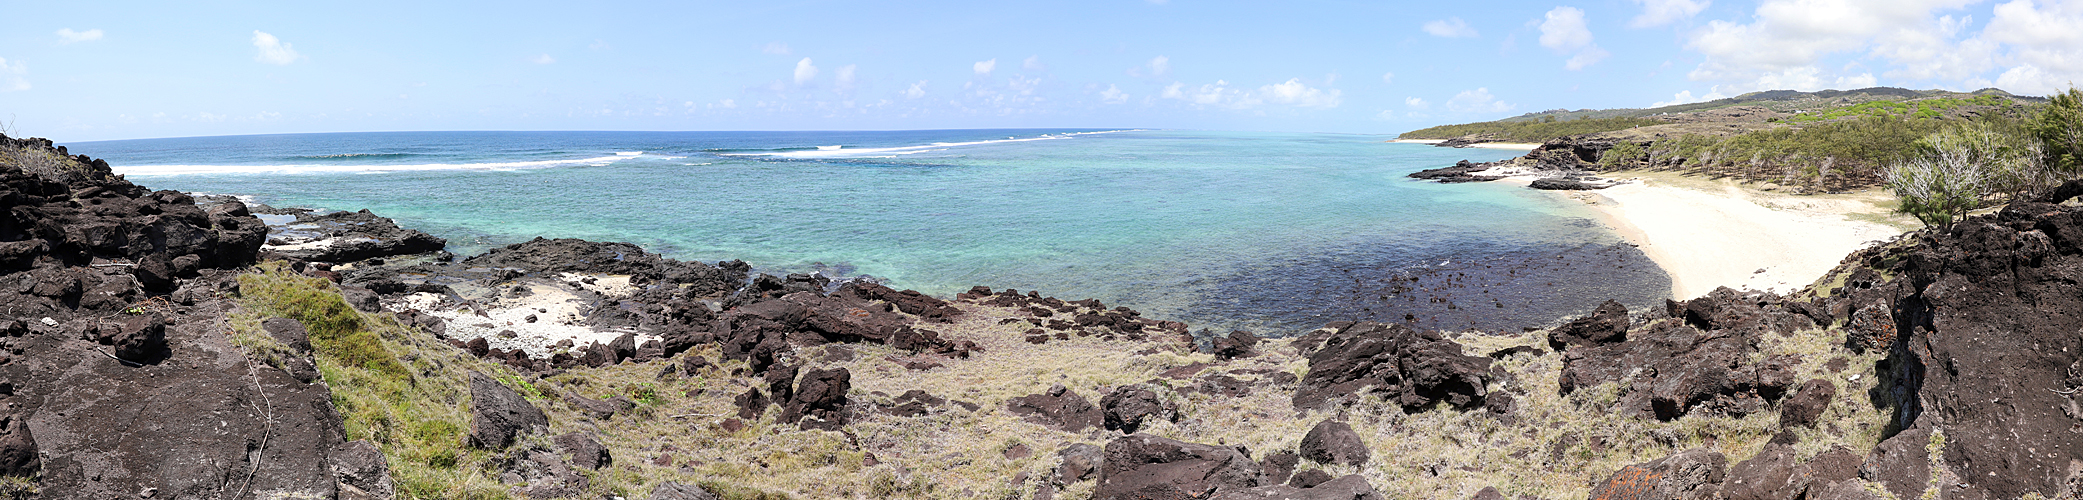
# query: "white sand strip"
1712, 239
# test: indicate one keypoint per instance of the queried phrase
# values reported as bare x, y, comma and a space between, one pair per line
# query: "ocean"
1276, 233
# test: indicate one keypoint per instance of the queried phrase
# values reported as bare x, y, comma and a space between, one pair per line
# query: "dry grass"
1554, 448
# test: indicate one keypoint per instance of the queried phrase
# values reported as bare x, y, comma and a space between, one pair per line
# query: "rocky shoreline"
138, 363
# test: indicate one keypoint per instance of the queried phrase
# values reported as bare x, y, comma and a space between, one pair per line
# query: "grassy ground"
413, 406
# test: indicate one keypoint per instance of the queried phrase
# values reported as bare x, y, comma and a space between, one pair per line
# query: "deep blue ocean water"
1273, 232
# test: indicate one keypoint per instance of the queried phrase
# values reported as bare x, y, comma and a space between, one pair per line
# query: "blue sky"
78, 71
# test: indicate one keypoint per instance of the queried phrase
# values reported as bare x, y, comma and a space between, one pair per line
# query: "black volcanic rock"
498, 415
1411, 368
1334, 442
580, 256
1059, 408
349, 237
1605, 325
1139, 466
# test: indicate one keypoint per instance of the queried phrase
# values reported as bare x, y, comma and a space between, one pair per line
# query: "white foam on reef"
153, 170
892, 152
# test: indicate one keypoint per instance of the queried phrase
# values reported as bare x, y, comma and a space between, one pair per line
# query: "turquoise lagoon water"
1272, 232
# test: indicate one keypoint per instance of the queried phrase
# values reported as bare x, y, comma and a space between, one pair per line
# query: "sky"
83, 71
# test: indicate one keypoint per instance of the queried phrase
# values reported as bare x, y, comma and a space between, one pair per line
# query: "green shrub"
1959, 169
2059, 128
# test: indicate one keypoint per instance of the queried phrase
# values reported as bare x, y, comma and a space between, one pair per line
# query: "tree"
1959, 169
2059, 128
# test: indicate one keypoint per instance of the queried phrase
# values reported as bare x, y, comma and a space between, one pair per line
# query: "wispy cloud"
917, 90
11, 76
67, 35
544, 59
776, 48
805, 71
1452, 27
1662, 12
1113, 95
273, 50
1388, 78
1033, 63
1416, 103
1220, 94
983, 68
1564, 32
1477, 101
844, 77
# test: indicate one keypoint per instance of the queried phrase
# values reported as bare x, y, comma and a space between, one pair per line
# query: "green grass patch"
1534, 131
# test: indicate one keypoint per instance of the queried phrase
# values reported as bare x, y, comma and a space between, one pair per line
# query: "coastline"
1515, 146
1708, 234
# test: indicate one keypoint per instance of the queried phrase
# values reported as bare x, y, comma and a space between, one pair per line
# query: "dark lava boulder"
1606, 325
1059, 408
1129, 406
584, 450
819, 401
1688, 475
910, 301
362, 468
1349, 487
1671, 368
498, 415
1238, 344
349, 237
1771, 475
1334, 442
1141, 466
1410, 368
1807, 404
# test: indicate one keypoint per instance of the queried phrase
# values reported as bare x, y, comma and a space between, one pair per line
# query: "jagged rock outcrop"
1688, 475
1141, 466
1334, 442
498, 415
1606, 325
1129, 406
348, 237
117, 374
1701, 358
1059, 408
1411, 368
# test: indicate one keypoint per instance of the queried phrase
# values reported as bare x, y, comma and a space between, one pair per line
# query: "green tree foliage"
2059, 128
1962, 168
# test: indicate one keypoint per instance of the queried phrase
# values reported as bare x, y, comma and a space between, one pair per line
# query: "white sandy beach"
1709, 236
1733, 238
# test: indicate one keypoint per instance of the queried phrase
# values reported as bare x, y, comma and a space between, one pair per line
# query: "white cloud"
729, 103
2046, 44
599, 44
1416, 103
67, 35
273, 50
983, 68
1686, 97
776, 48
1477, 101
544, 59
1220, 94
1662, 12
1160, 66
805, 71
1294, 93
1798, 42
11, 78
1033, 63
1385, 115
1388, 78
1588, 56
1113, 95
1564, 32
1452, 27
917, 90
844, 76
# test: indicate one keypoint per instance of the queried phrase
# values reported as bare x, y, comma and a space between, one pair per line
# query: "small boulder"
1238, 344
1771, 475
18, 456
751, 404
360, 466
1332, 442
1139, 466
675, 491
141, 339
1129, 406
1692, 474
1059, 408
1900, 463
585, 451
1488, 493
1606, 325
289, 332
1080, 461
1309, 478
1808, 404
1350, 487
1276, 467
821, 396
498, 415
